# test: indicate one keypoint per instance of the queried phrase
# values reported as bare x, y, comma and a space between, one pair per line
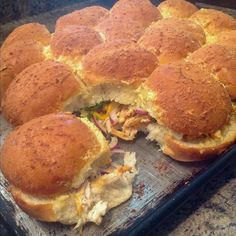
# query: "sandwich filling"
122, 121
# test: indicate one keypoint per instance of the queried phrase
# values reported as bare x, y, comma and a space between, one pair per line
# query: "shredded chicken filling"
122, 121
105, 191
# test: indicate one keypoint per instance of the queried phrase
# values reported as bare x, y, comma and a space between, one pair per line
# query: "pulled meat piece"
131, 126
120, 120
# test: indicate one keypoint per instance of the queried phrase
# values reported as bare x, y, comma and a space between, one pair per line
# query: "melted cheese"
105, 192
97, 196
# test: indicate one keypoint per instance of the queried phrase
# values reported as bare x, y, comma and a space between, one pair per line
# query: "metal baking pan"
160, 187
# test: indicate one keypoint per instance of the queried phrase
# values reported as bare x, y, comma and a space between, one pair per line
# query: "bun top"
32, 31
113, 28
172, 39
74, 42
47, 155
89, 16
138, 10
184, 102
21, 54
227, 38
213, 21
176, 8
220, 61
40, 89
15, 58
117, 62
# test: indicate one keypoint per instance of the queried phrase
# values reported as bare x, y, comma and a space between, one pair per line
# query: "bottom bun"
87, 204
199, 149
39, 209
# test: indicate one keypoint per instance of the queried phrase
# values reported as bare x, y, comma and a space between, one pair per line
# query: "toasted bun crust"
213, 22
117, 62
49, 153
188, 100
181, 151
6, 76
221, 61
89, 16
38, 210
172, 39
185, 25
38, 90
176, 8
200, 149
138, 10
227, 38
32, 31
16, 58
113, 28
74, 42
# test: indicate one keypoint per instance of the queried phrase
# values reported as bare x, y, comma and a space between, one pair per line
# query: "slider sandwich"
142, 11
112, 72
40, 89
221, 62
15, 58
213, 22
89, 17
22, 48
63, 171
30, 31
172, 39
176, 8
71, 44
113, 28
195, 119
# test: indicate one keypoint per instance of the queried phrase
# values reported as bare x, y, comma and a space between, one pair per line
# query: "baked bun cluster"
167, 70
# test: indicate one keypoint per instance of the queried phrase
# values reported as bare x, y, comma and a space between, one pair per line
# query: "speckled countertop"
212, 211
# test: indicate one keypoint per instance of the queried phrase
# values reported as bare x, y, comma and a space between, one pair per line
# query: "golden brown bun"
188, 100
213, 22
227, 38
221, 61
74, 42
16, 58
117, 62
194, 150
6, 76
89, 16
38, 210
113, 28
172, 39
31, 31
52, 154
182, 151
138, 10
176, 8
38, 90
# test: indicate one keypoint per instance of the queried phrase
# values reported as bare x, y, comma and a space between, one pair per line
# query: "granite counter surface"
212, 211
